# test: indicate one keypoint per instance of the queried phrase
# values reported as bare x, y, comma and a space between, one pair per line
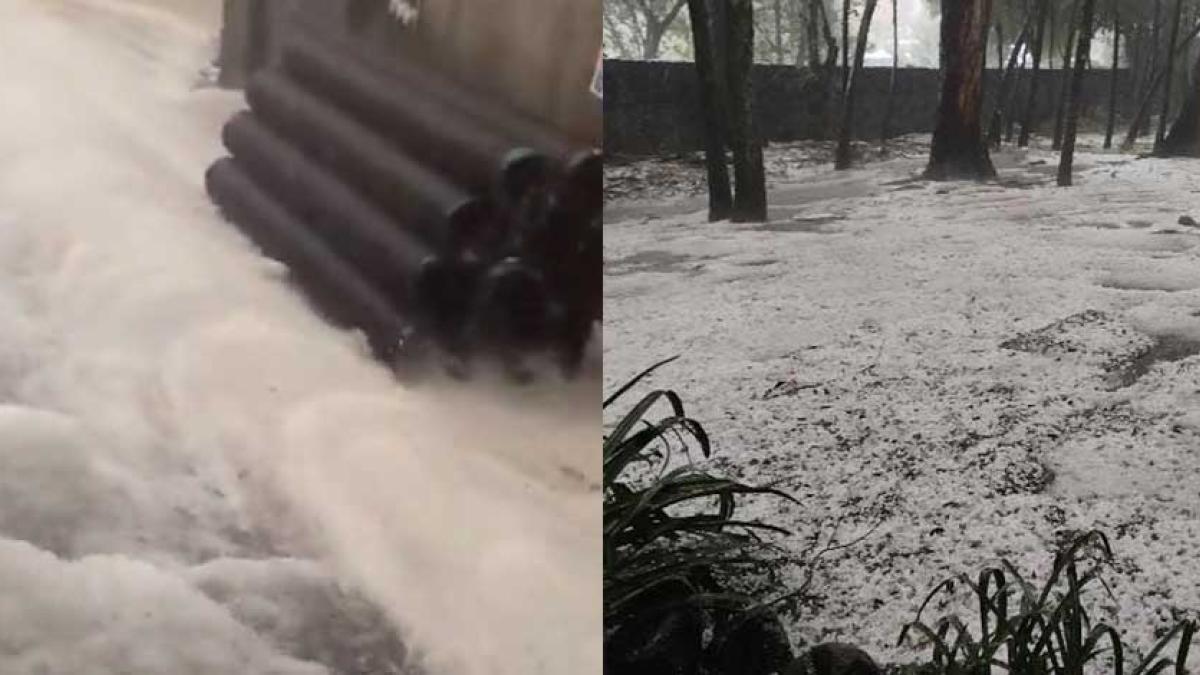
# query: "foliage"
1046, 631
673, 542
644, 29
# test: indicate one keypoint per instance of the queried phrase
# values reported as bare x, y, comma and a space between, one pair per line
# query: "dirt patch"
1165, 349
810, 225
663, 262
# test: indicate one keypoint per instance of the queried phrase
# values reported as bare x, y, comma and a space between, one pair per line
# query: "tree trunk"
1060, 109
1053, 34
749, 179
1082, 51
831, 44
1155, 52
653, 43
843, 156
1134, 40
886, 134
999, 44
1184, 138
779, 58
656, 28
1160, 135
720, 197
812, 33
845, 46
1010, 115
1112, 79
958, 149
1035, 79
996, 126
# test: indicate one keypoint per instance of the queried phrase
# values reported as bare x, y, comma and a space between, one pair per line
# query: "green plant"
1046, 631
672, 545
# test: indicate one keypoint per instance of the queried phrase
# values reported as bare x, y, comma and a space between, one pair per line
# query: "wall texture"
652, 107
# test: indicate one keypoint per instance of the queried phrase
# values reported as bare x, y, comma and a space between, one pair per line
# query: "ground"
197, 474
952, 372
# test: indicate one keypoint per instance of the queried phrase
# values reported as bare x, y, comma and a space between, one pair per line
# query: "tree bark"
843, 156
749, 176
958, 149
720, 196
1034, 81
1160, 135
1112, 78
886, 134
1082, 51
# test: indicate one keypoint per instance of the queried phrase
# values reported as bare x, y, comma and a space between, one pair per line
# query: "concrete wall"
652, 107
537, 55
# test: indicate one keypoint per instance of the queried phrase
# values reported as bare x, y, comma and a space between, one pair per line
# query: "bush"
1046, 631
674, 550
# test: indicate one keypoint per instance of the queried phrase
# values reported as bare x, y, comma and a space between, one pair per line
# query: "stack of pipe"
445, 226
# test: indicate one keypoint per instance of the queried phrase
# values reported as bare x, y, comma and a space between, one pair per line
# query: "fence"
652, 107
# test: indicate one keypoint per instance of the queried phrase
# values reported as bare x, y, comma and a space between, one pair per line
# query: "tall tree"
1013, 106
1114, 73
1060, 110
845, 45
749, 175
720, 196
1082, 51
891, 99
1027, 118
811, 15
830, 41
1184, 137
779, 52
1155, 51
1143, 111
1160, 135
996, 127
842, 157
958, 149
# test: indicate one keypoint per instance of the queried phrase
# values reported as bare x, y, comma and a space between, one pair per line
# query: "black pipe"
445, 214
582, 190
512, 310
391, 258
448, 288
583, 293
419, 77
333, 286
414, 114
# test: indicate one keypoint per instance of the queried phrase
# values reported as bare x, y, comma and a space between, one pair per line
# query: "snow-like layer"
852, 350
197, 474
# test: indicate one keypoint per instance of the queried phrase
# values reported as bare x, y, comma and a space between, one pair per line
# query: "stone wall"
651, 107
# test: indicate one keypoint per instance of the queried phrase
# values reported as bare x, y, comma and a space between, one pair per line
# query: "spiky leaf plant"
672, 543
1026, 630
